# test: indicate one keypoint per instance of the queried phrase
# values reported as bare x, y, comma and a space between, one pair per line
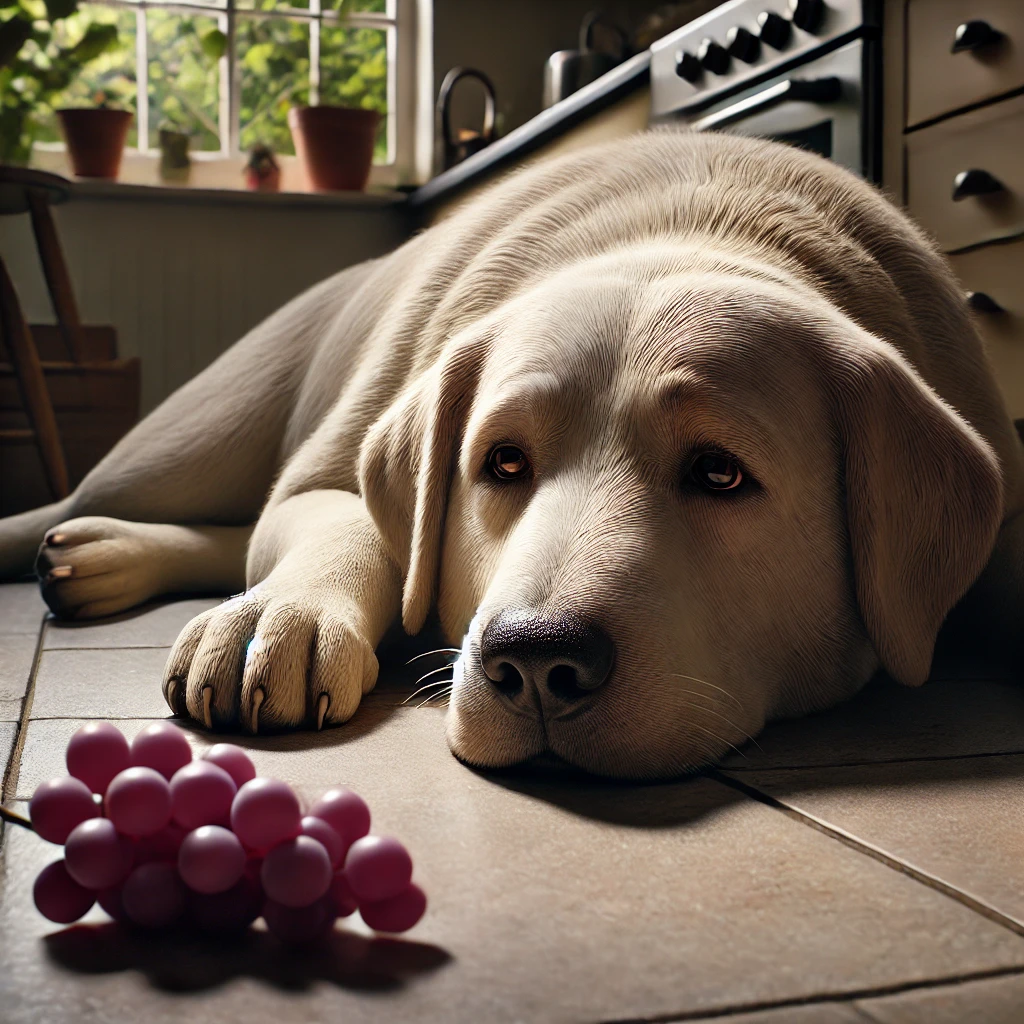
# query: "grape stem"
15, 819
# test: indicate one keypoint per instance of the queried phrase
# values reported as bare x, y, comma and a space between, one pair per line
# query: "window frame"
408, 32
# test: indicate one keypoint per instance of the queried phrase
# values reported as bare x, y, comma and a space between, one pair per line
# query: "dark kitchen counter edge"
630, 75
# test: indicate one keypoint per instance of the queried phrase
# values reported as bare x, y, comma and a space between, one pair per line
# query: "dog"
677, 435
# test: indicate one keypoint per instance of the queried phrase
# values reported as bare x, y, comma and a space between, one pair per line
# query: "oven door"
825, 106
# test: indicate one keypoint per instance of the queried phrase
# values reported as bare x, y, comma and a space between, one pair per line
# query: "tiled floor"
862, 865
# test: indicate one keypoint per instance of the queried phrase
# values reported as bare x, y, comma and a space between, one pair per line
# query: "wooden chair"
28, 191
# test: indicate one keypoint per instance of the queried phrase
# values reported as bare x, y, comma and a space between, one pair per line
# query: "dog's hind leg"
204, 458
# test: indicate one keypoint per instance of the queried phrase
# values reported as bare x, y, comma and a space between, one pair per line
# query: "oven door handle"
793, 90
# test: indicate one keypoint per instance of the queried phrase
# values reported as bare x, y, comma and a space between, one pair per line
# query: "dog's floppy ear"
924, 502
406, 465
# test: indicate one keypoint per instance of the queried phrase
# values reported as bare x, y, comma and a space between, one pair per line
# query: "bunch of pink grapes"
158, 839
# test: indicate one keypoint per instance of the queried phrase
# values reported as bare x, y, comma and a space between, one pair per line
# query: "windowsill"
212, 179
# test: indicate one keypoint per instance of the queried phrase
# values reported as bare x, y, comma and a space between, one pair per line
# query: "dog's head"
659, 508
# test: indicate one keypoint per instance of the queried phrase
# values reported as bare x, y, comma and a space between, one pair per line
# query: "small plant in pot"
95, 137
38, 63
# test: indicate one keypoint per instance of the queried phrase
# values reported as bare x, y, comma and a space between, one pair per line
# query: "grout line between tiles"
725, 1012
12, 769
862, 846
867, 764
114, 647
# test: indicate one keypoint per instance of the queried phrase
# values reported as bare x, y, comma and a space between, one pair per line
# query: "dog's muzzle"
545, 664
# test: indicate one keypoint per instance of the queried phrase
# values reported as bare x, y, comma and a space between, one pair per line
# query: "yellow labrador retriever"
678, 436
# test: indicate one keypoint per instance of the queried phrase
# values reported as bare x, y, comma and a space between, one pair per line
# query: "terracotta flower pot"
335, 145
95, 139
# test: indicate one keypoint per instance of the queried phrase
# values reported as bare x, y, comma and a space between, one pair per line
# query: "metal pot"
569, 70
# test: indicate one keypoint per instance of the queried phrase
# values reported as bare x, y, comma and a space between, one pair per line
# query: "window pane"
184, 83
273, 5
363, 6
354, 73
273, 61
112, 73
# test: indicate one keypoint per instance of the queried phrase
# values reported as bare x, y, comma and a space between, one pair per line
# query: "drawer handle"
982, 303
974, 35
975, 182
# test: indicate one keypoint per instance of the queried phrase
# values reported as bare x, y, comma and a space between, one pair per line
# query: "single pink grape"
161, 746
201, 794
224, 912
297, 872
96, 856
160, 846
298, 925
96, 753
233, 760
211, 859
265, 812
138, 801
342, 896
377, 868
346, 812
153, 895
318, 829
111, 902
396, 914
58, 897
58, 806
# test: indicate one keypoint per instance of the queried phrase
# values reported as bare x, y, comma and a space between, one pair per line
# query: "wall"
181, 280
510, 40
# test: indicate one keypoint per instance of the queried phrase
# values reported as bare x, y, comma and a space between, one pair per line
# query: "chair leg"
55, 269
28, 371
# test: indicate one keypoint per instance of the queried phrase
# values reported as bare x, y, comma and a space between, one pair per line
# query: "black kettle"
469, 141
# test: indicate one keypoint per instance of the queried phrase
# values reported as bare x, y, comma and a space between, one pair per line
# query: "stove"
806, 72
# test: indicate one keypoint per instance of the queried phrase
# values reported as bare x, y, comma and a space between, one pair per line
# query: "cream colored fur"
613, 314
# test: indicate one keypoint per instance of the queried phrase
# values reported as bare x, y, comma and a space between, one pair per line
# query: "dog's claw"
257, 700
55, 539
171, 696
323, 704
61, 572
207, 701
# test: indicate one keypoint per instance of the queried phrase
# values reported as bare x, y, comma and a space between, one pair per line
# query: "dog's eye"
715, 471
507, 462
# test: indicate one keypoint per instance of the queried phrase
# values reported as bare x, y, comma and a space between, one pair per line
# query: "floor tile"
8, 733
17, 653
886, 721
960, 820
153, 625
553, 898
100, 684
21, 608
991, 1001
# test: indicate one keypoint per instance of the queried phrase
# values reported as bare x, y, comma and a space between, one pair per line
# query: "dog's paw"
95, 566
265, 661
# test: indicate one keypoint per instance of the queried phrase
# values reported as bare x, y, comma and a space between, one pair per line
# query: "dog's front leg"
298, 647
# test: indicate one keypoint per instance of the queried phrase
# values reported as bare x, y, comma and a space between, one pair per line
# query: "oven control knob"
743, 45
807, 14
775, 30
713, 56
688, 67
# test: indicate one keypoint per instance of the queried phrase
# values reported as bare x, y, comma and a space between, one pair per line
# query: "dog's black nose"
561, 655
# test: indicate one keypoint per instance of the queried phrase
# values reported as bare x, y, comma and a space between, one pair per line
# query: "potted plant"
95, 137
35, 67
335, 145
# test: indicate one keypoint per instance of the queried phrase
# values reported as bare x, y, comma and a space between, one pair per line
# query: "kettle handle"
592, 18
443, 104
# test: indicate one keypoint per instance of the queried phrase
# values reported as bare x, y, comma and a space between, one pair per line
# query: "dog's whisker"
704, 682
715, 736
718, 714
434, 671
440, 650
428, 686
434, 696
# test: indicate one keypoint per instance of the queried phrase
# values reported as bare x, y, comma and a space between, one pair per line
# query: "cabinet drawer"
998, 271
939, 81
990, 139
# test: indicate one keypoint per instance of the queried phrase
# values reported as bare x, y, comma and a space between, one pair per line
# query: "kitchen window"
227, 71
